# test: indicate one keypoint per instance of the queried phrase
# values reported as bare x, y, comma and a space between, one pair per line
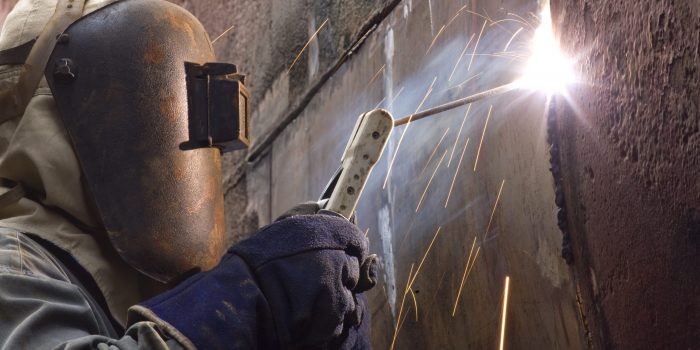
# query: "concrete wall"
629, 158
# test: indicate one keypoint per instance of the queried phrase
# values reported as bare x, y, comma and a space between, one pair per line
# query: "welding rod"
456, 103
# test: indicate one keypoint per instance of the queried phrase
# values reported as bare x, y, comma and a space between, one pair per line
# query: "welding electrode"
457, 103
366, 146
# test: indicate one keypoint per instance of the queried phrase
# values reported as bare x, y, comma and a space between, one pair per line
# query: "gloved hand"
309, 208
293, 285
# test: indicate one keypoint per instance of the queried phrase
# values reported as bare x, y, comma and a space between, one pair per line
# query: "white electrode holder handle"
363, 151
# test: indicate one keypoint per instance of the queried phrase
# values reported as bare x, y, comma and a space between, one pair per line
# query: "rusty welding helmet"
148, 116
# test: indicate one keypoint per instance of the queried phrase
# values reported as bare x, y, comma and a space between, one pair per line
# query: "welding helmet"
148, 114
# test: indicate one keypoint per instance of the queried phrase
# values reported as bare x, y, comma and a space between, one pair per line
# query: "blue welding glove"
293, 285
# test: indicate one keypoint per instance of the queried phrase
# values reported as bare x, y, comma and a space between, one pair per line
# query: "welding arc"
457, 103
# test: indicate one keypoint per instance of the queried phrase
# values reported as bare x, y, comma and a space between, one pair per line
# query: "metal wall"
394, 69
262, 38
629, 145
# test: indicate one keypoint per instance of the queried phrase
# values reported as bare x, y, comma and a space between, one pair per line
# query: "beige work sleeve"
38, 313
41, 309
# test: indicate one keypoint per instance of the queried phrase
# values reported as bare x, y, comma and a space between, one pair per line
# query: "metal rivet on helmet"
63, 38
64, 69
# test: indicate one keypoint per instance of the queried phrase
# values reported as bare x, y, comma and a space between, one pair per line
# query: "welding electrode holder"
218, 107
364, 149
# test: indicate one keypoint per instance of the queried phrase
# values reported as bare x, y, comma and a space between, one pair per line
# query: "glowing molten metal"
547, 68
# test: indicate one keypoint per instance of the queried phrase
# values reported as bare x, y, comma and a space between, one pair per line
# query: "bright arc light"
547, 68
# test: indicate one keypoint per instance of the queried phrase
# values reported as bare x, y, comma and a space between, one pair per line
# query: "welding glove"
293, 285
311, 207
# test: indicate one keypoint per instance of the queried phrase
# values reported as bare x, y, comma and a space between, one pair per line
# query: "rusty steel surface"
629, 145
626, 167
119, 85
395, 69
262, 38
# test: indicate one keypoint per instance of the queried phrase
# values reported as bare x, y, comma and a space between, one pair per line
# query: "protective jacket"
44, 305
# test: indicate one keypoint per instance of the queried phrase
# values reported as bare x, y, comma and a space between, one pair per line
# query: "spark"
400, 325
397, 94
511, 39
222, 34
455, 16
487, 18
499, 55
476, 255
534, 16
405, 316
306, 45
483, 133
408, 230
493, 211
508, 54
430, 90
467, 80
469, 107
391, 103
469, 271
381, 70
409, 285
398, 145
498, 23
510, 20
433, 300
435, 39
456, 172
403, 300
415, 303
459, 59
392, 99
486, 13
476, 45
430, 181
434, 151
464, 277
425, 255
380, 102
503, 315
521, 18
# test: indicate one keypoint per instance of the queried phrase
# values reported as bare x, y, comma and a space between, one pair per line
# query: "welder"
113, 117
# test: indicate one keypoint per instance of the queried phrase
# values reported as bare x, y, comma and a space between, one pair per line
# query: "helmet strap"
15, 98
